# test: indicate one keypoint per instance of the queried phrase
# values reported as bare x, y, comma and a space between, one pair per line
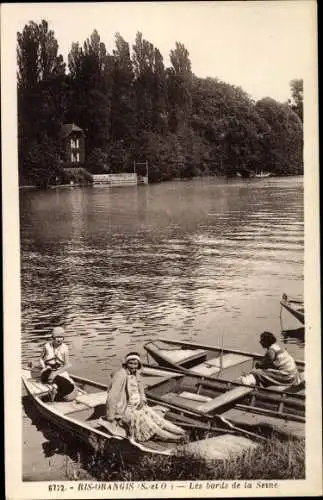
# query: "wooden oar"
228, 426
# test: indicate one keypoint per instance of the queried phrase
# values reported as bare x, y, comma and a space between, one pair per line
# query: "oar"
229, 426
240, 430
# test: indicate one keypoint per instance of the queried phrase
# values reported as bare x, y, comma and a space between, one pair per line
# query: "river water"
203, 261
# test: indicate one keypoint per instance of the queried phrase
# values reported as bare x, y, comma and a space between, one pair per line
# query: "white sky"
259, 46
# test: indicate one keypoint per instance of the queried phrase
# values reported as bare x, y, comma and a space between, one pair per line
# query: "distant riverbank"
211, 178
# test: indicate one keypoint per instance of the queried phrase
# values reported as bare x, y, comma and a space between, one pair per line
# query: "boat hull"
75, 418
299, 315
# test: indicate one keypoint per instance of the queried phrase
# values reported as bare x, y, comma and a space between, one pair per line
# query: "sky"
259, 46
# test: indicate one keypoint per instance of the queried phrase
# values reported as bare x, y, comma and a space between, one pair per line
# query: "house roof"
68, 128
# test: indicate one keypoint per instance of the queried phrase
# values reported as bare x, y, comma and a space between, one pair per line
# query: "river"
203, 260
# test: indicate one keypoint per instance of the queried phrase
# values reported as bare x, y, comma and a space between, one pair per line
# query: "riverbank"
201, 178
277, 459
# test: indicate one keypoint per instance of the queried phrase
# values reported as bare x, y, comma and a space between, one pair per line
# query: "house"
73, 139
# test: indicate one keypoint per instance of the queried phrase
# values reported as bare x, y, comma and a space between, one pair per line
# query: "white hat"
132, 356
58, 331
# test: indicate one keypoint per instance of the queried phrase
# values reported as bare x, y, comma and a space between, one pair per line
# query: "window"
75, 143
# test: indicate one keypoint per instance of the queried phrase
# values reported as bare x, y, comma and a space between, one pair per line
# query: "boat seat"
184, 356
215, 365
224, 399
93, 399
195, 397
37, 388
66, 407
175, 399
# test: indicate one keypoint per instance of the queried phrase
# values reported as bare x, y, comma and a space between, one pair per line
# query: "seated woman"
126, 403
277, 367
54, 362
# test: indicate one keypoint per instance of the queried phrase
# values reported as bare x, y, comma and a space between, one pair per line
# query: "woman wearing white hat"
126, 404
54, 362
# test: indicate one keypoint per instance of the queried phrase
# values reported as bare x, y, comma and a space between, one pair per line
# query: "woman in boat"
54, 362
126, 405
277, 367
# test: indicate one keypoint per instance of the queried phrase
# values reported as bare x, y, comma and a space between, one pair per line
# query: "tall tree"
143, 63
297, 91
123, 102
179, 78
90, 91
160, 103
37, 55
41, 91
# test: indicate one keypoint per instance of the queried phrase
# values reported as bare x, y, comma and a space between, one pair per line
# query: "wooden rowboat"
294, 307
82, 417
209, 361
196, 398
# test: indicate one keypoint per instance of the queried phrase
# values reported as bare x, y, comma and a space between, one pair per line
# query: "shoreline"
177, 179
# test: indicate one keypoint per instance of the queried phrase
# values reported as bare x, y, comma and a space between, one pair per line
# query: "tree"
143, 63
179, 82
123, 98
90, 90
296, 103
41, 91
283, 153
37, 55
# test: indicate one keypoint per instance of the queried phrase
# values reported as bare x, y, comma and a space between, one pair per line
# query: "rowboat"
209, 361
201, 400
82, 415
294, 307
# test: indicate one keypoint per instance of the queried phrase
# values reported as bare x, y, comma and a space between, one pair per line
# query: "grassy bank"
275, 459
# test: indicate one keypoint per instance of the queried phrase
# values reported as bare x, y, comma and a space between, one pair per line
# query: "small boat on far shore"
262, 174
294, 307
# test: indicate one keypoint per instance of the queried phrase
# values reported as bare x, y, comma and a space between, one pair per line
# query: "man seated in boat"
277, 367
54, 362
126, 406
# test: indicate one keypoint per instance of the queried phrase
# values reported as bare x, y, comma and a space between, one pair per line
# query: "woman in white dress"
54, 362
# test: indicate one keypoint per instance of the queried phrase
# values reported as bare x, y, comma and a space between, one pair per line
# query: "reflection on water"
199, 260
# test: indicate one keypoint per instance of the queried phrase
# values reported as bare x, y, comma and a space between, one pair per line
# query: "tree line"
133, 108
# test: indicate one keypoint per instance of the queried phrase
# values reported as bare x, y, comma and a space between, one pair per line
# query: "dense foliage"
133, 108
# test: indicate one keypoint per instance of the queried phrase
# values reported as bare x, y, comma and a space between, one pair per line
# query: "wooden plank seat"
66, 407
183, 356
93, 399
38, 388
224, 399
195, 397
215, 365
175, 399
